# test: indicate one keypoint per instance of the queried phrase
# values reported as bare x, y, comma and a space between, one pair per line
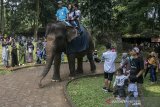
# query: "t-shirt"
109, 58
77, 13
120, 80
139, 63
71, 15
62, 14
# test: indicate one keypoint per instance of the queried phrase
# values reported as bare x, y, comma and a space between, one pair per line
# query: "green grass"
4, 72
87, 92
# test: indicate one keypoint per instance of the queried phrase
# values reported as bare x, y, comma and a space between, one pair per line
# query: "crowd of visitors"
21, 51
129, 77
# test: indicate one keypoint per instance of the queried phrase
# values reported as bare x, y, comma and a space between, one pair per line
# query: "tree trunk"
2, 17
116, 41
36, 20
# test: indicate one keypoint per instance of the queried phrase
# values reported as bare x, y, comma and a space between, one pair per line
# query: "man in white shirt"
109, 58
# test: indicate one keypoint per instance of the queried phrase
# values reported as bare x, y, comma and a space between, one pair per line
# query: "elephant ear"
71, 33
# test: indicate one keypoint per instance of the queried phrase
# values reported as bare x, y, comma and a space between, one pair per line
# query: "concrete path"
20, 88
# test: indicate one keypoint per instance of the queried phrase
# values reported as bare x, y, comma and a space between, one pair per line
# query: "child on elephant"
74, 17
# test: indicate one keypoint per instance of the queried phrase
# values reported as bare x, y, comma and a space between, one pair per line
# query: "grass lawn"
4, 72
87, 92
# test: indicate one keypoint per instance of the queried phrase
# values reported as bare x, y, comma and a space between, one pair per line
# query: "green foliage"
135, 15
99, 13
20, 15
121, 16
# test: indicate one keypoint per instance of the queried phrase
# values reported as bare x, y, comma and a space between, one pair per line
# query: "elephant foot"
93, 71
72, 75
56, 79
71, 78
40, 85
40, 81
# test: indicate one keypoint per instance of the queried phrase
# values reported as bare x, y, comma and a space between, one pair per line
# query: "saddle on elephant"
79, 43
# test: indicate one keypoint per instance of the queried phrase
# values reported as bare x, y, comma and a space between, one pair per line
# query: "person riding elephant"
74, 16
63, 38
62, 12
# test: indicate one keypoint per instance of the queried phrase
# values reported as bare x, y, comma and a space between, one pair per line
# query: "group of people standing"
22, 51
130, 74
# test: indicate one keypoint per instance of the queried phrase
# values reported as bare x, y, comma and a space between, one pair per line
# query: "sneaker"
109, 90
118, 98
105, 89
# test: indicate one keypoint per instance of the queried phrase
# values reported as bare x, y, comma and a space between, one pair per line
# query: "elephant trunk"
46, 69
50, 51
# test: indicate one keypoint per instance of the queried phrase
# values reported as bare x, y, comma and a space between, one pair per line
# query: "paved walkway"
20, 89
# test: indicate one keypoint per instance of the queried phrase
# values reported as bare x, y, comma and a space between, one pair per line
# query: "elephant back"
80, 43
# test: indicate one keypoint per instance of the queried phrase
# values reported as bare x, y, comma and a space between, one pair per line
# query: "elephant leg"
57, 62
71, 62
80, 65
92, 64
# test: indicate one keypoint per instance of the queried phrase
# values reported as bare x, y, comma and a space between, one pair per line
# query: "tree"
36, 23
2, 17
99, 13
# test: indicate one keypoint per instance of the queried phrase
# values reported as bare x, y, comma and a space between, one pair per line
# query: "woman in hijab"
14, 56
30, 48
22, 53
5, 51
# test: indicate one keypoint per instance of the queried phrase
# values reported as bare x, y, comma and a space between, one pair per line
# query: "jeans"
153, 73
133, 100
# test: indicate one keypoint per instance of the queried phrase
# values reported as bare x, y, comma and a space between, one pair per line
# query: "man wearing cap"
137, 69
62, 12
109, 58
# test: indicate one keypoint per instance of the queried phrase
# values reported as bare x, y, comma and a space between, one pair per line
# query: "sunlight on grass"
87, 92
155, 89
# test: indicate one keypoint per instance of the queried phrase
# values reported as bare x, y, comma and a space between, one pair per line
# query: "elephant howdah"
78, 44
62, 38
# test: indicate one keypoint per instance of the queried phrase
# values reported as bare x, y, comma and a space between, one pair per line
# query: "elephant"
59, 37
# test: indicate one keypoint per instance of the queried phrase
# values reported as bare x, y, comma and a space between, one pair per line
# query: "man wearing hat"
62, 12
137, 69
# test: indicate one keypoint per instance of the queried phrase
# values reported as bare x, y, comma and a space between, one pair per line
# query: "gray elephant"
63, 38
